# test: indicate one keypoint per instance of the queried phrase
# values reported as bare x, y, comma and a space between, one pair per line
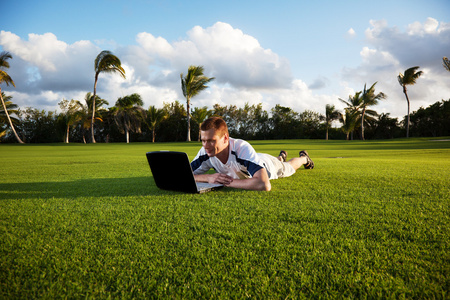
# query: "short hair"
218, 124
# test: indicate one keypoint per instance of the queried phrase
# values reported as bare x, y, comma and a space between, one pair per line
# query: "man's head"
214, 135
216, 123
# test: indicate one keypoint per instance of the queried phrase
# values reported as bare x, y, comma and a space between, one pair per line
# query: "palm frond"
446, 63
4, 64
409, 77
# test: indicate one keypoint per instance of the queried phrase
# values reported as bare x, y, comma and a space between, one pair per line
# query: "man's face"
212, 143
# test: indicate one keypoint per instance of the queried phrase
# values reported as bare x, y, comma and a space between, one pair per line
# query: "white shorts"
275, 167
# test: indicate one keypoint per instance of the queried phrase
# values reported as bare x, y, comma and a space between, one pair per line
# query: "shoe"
309, 164
283, 155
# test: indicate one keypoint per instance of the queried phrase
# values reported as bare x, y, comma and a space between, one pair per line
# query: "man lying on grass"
236, 162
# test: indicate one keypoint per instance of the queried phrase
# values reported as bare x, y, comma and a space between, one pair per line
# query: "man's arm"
259, 182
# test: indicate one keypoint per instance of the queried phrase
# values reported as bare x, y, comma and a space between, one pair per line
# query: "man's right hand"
217, 178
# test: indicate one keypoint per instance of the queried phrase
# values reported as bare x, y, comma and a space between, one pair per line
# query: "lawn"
371, 220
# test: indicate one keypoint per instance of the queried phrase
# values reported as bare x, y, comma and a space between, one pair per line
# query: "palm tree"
106, 62
4, 77
354, 107
369, 98
409, 78
192, 84
446, 63
349, 120
128, 114
71, 114
85, 113
331, 114
11, 109
154, 117
199, 115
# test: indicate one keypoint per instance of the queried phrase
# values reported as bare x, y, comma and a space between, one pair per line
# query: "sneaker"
309, 164
283, 155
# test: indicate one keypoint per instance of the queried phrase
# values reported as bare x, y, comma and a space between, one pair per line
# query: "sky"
299, 54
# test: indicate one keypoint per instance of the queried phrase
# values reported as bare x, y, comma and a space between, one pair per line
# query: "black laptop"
172, 171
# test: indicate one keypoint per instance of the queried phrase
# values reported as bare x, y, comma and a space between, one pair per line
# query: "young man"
236, 162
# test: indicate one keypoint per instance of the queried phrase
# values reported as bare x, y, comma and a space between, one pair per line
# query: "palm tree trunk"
93, 109
127, 133
362, 123
153, 135
188, 104
66, 140
9, 120
407, 118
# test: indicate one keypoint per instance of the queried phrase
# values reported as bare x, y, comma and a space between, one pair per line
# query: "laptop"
172, 171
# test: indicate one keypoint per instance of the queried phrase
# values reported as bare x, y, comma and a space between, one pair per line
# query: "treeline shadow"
97, 187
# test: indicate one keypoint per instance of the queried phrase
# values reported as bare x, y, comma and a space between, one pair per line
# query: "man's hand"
220, 178
214, 178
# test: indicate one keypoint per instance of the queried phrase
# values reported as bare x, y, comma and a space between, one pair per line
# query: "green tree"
199, 115
154, 118
284, 122
249, 120
432, 121
261, 125
39, 126
349, 120
309, 124
331, 114
446, 63
386, 127
85, 112
369, 98
352, 112
409, 78
105, 62
4, 77
71, 114
128, 114
173, 128
192, 84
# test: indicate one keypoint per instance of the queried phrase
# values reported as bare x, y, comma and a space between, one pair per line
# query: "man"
236, 163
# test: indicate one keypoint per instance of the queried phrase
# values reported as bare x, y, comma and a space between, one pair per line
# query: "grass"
371, 220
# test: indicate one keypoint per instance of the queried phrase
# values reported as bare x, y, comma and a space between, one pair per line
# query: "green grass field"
371, 220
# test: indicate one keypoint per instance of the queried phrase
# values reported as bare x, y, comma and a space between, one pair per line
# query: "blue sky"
302, 54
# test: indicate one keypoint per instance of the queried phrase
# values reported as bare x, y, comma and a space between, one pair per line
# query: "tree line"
128, 120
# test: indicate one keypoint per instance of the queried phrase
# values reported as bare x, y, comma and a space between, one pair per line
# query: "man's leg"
297, 162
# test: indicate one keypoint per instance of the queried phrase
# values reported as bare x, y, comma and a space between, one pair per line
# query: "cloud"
423, 44
43, 63
390, 51
241, 66
226, 53
319, 83
351, 33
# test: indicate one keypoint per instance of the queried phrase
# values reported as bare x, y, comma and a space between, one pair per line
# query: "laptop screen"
172, 171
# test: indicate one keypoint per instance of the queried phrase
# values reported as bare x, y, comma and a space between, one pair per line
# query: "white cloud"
226, 53
351, 33
43, 63
391, 51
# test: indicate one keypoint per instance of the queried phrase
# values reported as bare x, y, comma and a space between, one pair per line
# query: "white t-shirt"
243, 162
